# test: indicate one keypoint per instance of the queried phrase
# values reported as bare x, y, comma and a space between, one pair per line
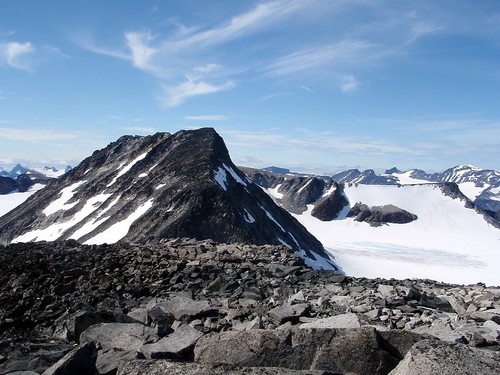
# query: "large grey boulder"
175, 346
288, 313
184, 307
438, 357
336, 350
123, 336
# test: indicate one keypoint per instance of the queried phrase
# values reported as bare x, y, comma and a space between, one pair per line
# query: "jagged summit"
147, 188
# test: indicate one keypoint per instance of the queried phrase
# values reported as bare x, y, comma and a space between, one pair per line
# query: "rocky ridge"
183, 306
144, 189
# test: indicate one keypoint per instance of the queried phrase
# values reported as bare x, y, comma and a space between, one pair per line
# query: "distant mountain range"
44, 172
21, 178
481, 186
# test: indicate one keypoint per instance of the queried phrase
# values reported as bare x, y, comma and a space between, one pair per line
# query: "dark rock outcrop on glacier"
7, 185
378, 215
143, 189
21, 183
329, 207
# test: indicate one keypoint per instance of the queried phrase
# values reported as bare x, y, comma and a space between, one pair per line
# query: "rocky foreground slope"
198, 307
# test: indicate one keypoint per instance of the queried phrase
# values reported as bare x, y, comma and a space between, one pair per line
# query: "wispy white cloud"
179, 54
308, 89
247, 22
176, 95
265, 98
349, 83
381, 34
142, 53
16, 55
26, 56
208, 118
345, 52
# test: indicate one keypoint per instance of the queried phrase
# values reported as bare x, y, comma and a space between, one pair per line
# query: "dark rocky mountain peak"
299, 193
369, 177
17, 170
277, 170
147, 188
392, 170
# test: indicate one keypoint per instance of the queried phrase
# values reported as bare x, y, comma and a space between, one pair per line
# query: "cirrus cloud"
15, 54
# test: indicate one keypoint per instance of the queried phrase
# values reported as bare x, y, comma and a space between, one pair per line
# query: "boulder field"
198, 307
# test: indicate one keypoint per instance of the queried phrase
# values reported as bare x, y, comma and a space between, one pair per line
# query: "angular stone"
175, 346
413, 293
349, 320
81, 320
374, 314
110, 360
483, 316
247, 324
123, 336
336, 350
439, 357
297, 297
457, 304
385, 290
495, 329
184, 306
289, 313
79, 361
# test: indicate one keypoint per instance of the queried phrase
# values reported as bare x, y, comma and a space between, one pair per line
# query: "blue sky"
313, 85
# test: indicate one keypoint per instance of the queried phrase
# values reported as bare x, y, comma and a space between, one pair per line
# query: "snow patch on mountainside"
61, 203
234, 175
221, 178
271, 217
446, 243
125, 168
273, 192
91, 225
120, 229
248, 217
56, 230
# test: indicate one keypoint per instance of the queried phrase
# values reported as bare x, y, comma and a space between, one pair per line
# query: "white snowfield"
10, 201
447, 242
